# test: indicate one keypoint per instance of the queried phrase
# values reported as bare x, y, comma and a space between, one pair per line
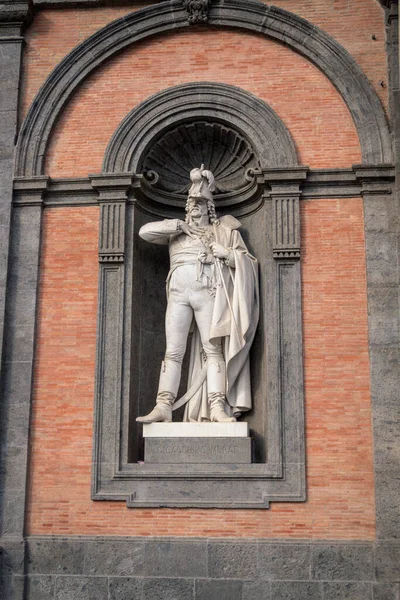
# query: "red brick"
340, 502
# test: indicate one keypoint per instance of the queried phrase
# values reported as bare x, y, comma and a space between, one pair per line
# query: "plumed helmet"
202, 184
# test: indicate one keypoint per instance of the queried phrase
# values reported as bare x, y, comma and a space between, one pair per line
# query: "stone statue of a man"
212, 289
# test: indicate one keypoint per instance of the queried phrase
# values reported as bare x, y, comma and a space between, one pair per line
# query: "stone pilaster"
382, 229
17, 376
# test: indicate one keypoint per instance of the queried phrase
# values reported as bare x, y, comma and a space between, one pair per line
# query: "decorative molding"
197, 11
252, 120
320, 48
15, 15
286, 229
225, 151
16, 11
285, 186
113, 194
279, 473
375, 180
30, 191
319, 184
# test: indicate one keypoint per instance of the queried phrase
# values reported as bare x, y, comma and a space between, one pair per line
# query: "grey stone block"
387, 497
13, 556
352, 562
8, 120
386, 441
113, 558
40, 587
124, 588
385, 591
17, 384
387, 561
256, 590
284, 561
385, 380
347, 591
207, 589
381, 214
20, 342
175, 559
81, 588
12, 503
236, 560
198, 450
383, 309
296, 590
168, 589
17, 589
13, 469
55, 557
381, 267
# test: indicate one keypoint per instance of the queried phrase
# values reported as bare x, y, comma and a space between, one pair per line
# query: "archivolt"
277, 24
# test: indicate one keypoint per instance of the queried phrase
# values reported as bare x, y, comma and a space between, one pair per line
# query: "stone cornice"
314, 184
16, 11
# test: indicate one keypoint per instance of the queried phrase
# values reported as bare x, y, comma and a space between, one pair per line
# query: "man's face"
198, 208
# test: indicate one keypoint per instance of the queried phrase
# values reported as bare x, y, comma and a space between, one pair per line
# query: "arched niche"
238, 134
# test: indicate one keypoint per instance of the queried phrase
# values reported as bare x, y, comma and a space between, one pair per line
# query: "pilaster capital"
30, 191
113, 187
286, 181
14, 16
375, 179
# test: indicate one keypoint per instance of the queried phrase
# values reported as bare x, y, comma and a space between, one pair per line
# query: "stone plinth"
196, 430
197, 443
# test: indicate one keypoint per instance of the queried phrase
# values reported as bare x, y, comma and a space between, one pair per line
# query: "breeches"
187, 298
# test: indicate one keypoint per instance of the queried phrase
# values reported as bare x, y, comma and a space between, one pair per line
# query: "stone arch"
317, 46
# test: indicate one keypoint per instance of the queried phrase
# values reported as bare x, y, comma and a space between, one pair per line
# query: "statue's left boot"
217, 402
216, 386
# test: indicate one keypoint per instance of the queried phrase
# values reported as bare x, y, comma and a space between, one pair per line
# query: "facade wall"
340, 501
338, 543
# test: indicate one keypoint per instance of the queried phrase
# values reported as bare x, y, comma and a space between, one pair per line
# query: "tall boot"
216, 386
167, 391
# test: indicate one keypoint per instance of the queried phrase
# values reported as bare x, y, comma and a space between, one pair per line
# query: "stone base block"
197, 450
196, 430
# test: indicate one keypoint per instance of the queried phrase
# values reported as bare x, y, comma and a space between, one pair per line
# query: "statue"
212, 289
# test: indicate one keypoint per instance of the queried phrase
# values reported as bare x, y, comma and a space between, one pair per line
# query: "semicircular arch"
280, 25
213, 102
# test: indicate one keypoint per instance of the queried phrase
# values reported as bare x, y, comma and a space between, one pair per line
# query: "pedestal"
197, 443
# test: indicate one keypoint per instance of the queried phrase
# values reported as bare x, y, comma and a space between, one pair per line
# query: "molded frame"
276, 192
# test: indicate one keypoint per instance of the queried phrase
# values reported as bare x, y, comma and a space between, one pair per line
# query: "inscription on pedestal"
198, 450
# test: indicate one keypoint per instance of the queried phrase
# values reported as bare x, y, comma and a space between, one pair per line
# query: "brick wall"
340, 501
305, 100
352, 23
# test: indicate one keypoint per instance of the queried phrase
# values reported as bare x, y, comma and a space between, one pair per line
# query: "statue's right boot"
169, 380
162, 412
